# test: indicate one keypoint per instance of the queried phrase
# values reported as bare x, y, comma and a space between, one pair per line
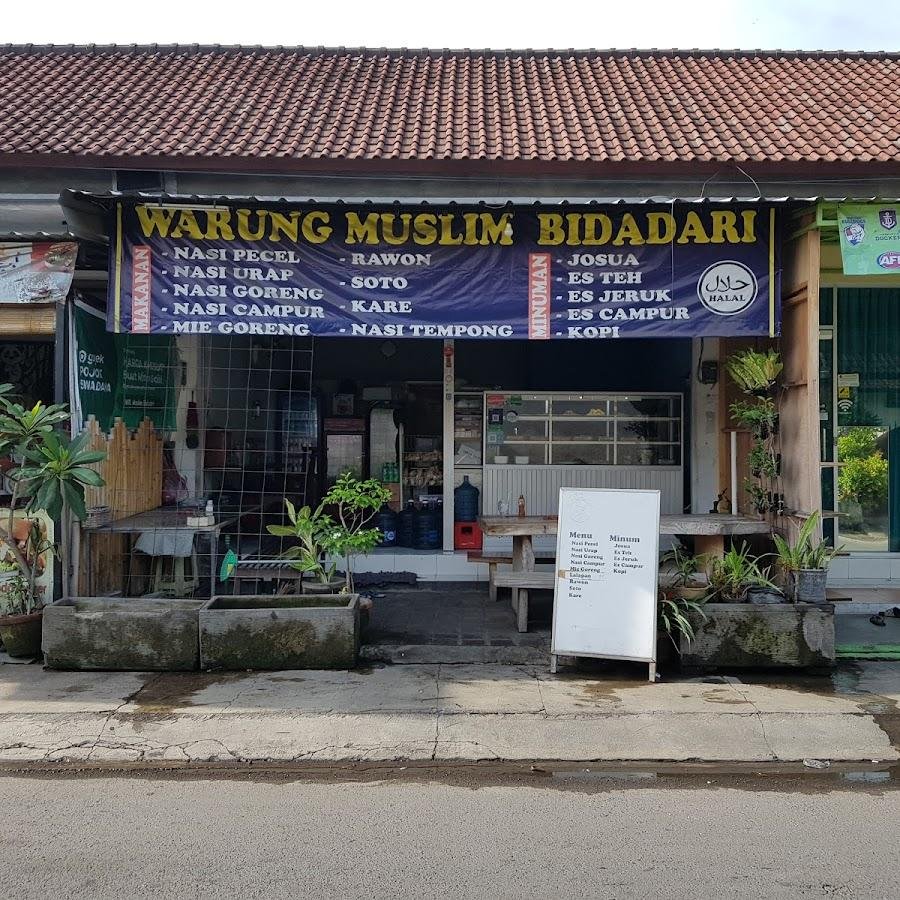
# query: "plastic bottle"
465, 502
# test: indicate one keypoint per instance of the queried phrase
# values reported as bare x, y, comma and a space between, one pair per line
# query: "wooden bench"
492, 560
257, 570
520, 582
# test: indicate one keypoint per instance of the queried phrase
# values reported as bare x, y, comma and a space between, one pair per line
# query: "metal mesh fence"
206, 437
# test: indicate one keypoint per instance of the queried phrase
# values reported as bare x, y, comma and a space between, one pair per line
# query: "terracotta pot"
21, 635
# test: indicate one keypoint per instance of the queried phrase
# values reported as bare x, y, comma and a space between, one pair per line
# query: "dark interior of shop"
292, 414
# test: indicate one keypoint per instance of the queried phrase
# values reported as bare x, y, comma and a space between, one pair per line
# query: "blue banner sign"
557, 272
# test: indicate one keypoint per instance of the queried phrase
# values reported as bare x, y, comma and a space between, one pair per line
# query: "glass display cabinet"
583, 429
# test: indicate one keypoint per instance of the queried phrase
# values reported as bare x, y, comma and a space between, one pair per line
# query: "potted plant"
805, 562
747, 624
759, 496
20, 618
755, 372
51, 471
732, 575
688, 581
760, 416
763, 462
316, 630
674, 615
677, 620
323, 539
312, 530
355, 504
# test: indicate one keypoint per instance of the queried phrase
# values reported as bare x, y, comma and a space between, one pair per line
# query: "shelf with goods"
423, 465
468, 432
584, 429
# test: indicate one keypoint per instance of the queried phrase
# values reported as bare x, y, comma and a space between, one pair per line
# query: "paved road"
135, 838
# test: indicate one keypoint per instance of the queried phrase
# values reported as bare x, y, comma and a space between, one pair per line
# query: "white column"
704, 430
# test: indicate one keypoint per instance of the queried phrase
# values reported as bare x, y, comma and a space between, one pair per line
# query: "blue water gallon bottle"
428, 536
465, 502
387, 522
406, 528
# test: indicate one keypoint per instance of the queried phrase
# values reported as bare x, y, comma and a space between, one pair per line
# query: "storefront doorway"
522, 419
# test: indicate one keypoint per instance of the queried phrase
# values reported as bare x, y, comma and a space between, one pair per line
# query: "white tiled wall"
434, 566
865, 569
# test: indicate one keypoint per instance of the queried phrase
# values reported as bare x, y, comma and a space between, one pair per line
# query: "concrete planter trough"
122, 633
280, 632
750, 636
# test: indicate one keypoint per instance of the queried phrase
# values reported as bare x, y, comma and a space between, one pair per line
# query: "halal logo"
727, 288
888, 218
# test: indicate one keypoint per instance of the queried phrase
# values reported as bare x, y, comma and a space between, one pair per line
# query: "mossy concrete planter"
280, 632
749, 636
122, 634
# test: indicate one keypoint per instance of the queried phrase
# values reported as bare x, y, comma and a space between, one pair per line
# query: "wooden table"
166, 519
522, 529
709, 531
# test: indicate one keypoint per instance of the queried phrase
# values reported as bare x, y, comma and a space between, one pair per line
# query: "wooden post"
448, 379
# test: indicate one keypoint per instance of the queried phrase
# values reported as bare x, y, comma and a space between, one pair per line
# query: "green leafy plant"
682, 564
863, 474
311, 529
865, 481
48, 469
16, 596
355, 503
759, 496
337, 527
755, 372
730, 575
762, 461
803, 553
673, 616
858, 442
760, 416
58, 473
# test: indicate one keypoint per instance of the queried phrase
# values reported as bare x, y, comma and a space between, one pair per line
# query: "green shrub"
858, 442
864, 479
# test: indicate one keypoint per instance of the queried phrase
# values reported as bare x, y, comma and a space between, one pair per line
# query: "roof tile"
317, 104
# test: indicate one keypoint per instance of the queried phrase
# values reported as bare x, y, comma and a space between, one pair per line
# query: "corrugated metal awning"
106, 199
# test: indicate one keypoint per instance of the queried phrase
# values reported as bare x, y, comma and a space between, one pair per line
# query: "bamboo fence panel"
132, 471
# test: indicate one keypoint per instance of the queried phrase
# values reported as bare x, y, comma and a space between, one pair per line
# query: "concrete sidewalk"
443, 713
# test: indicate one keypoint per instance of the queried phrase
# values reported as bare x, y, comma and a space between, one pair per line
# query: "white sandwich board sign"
607, 571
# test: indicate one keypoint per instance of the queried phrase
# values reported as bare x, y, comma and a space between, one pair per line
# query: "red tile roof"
306, 105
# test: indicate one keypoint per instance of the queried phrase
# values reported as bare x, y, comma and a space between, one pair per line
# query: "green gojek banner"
123, 376
146, 379
870, 238
95, 367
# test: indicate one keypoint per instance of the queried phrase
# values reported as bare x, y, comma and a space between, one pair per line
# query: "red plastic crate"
466, 536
